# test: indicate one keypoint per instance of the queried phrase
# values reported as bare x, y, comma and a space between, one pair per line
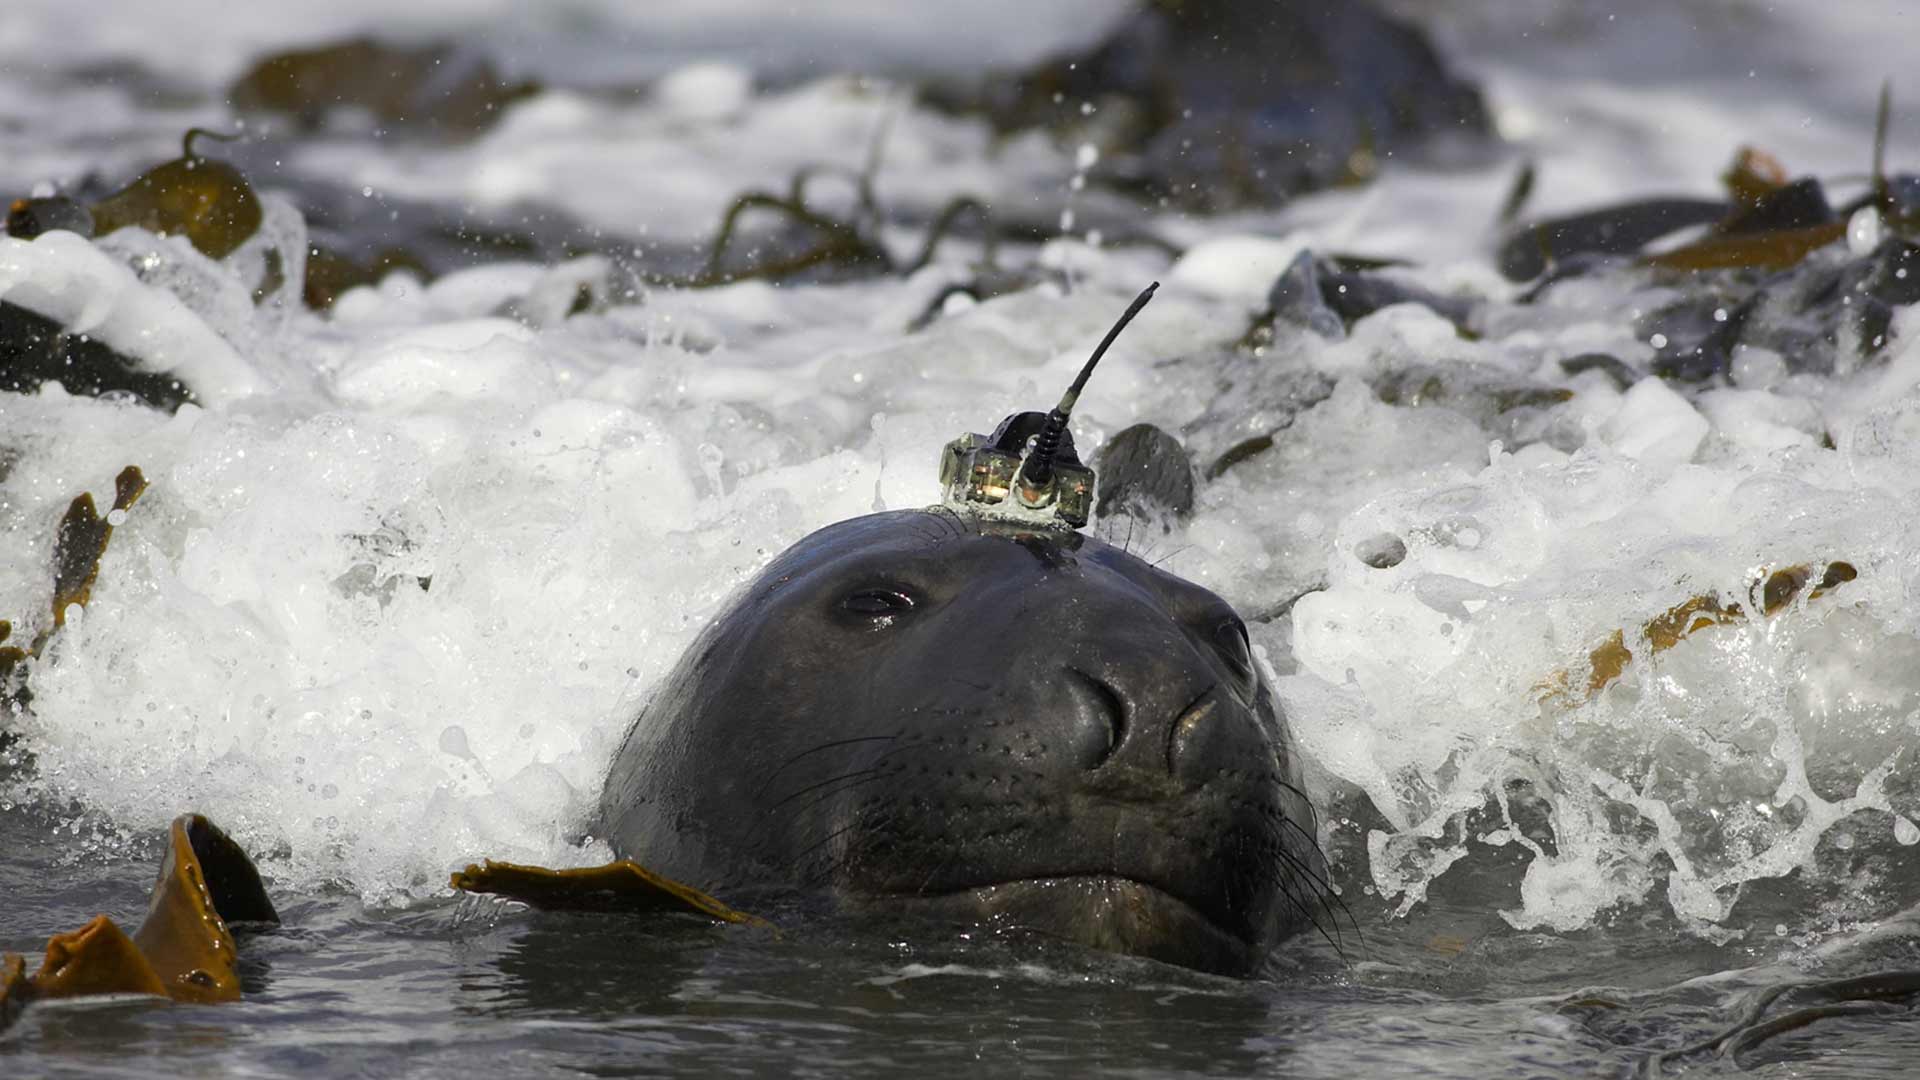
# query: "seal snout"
1186, 741
1103, 713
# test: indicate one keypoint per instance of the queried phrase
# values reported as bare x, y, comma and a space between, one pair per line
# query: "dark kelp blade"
82, 540
78, 545
617, 886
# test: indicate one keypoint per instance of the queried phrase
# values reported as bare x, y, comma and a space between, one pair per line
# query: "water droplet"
1905, 831
454, 741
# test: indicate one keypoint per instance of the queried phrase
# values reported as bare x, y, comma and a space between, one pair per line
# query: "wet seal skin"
934, 713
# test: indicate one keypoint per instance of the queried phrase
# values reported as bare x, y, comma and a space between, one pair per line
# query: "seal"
933, 713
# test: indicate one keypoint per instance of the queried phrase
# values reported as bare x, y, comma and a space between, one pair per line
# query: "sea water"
409, 569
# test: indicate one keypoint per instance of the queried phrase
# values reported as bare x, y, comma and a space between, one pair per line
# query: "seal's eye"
877, 603
1230, 637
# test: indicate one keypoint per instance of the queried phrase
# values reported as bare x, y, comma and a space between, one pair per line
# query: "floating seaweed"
205, 200
184, 950
1768, 222
819, 242
1767, 597
1880, 993
79, 544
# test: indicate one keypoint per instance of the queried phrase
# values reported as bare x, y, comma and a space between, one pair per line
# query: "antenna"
1882, 117
1038, 469
1026, 472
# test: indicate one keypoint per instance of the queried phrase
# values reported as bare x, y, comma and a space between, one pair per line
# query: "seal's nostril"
1112, 708
1188, 732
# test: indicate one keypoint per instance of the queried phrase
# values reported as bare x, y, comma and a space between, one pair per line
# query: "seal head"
923, 711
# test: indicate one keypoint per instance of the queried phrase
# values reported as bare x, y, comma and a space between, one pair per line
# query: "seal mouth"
1105, 911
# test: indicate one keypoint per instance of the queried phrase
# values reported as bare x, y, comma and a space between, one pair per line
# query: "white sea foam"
401, 583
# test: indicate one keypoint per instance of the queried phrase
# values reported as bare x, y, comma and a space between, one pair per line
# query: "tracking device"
1026, 472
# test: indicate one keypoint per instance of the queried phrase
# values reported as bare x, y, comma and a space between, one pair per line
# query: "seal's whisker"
857, 780
855, 775
1289, 893
1319, 877
1182, 549
834, 745
855, 850
801, 855
1312, 814
1319, 873
1329, 899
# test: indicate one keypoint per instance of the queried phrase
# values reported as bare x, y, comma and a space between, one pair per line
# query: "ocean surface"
409, 569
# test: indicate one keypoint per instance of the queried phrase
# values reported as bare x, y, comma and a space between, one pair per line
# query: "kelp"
1881, 993
206, 200
185, 950
79, 544
849, 245
1767, 597
1768, 222
622, 886
203, 199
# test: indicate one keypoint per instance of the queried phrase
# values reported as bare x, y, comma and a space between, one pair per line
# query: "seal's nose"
1166, 715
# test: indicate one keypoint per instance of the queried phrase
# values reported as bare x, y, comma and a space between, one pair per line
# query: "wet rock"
1485, 396
1297, 300
1795, 205
35, 350
1326, 299
1817, 314
1250, 410
1694, 337
1218, 103
1144, 471
436, 88
1615, 368
1355, 294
